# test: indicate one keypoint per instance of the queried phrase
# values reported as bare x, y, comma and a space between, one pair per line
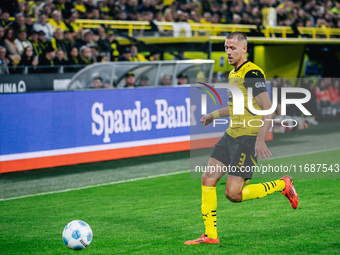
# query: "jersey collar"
241, 66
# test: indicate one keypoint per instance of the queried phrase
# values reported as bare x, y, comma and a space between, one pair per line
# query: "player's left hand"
261, 150
207, 119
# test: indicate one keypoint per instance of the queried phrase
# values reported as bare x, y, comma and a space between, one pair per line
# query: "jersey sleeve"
255, 79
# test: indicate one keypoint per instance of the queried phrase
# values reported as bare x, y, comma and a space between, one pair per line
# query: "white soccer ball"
77, 235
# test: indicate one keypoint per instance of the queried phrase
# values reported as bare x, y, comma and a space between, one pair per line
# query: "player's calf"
233, 189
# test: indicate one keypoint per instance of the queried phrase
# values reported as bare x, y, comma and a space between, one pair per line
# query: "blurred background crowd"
308, 12
44, 32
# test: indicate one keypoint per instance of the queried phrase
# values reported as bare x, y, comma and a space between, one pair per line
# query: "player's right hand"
207, 119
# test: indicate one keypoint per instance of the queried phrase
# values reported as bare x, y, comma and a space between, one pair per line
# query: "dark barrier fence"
20, 83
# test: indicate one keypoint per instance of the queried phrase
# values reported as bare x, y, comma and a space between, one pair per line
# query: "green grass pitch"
155, 216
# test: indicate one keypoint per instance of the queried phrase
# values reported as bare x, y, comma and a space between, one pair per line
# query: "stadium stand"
155, 18
86, 32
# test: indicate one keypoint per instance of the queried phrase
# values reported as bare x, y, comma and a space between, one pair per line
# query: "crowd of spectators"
47, 28
307, 12
325, 100
55, 40
326, 96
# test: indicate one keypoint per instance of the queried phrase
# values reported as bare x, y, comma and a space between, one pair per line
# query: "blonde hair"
239, 36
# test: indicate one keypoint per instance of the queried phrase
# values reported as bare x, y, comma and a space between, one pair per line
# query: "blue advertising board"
35, 125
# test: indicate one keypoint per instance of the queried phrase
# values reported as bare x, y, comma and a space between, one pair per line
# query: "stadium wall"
49, 129
279, 60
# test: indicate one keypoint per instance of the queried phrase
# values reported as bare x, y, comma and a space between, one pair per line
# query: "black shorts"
237, 154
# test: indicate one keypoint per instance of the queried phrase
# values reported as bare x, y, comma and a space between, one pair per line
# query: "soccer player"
241, 144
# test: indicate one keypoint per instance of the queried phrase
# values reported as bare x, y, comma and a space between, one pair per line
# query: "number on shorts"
242, 159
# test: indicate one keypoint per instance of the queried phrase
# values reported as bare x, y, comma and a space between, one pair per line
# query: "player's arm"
256, 80
261, 148
208, 118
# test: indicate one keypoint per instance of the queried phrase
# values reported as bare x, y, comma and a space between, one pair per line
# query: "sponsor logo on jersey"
260, 84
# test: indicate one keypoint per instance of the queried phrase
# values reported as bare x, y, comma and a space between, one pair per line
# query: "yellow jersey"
247, 75
56, 25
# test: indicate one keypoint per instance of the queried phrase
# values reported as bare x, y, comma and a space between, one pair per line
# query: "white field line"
306, 153
96, 185
142, 178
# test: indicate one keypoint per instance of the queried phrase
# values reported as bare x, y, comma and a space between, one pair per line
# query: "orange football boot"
290, 192
203, 239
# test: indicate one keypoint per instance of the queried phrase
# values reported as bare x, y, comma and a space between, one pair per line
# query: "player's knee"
211, 182
233, 196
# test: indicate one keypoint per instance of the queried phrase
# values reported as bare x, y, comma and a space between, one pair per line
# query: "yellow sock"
262, 189
209, 207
